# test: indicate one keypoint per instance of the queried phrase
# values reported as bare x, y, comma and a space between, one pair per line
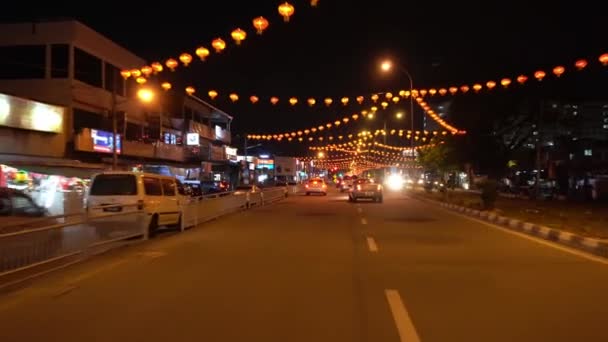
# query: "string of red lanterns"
505, 82
260, 24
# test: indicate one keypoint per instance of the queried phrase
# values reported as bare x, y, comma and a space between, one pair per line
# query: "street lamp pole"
404, 70
114, 124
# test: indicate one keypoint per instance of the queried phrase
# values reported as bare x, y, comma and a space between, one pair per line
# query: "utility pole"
539, 143
114, 123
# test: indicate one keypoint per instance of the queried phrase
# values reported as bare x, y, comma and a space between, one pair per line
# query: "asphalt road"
315, 268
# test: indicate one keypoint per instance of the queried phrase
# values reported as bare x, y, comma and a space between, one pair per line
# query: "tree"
438, 158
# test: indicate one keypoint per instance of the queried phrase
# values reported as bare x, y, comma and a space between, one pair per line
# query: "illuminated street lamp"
320, 154
387, 66
145, 95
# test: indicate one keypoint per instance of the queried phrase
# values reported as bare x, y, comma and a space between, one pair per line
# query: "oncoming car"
365, 188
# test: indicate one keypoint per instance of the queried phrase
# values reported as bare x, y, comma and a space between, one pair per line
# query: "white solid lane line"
543, 242
363, 220
405, 327
371, 244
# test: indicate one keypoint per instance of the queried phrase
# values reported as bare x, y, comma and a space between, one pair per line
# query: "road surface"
317, 268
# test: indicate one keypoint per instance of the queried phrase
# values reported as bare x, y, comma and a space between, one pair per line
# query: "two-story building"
71, 70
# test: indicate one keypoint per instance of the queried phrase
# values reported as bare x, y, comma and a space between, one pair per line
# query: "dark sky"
333, 50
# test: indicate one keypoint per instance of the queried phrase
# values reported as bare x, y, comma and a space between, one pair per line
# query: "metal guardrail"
32, 243
50, 238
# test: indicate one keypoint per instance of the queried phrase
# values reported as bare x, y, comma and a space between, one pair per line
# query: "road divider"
54, 242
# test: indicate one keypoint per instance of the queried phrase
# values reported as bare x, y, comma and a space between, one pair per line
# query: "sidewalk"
586, 219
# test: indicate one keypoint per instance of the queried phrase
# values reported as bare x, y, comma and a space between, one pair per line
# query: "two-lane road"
316, 268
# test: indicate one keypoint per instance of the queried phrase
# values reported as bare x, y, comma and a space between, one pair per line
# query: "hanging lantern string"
396, 96
238, 35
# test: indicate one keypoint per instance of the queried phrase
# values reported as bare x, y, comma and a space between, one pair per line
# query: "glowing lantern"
453, 90
141, 80
125, 74
384, 104
218, 44
293, 101
286, 10
344, 101
580, 64
604, 59
146, 70
346, 120
337, 123
443, 91
212, 94
260, 24
396, 99
233, 97
238, 35
311, 101
171, 64
464, 88
253, 99
202, 52
328, 101
185, 58
505, 82
166, 86
423, 92
190, 90
135, 73
360, 99
491, 84
274, 100
374, 109
355, 116
522, 79
558, 70
477, 87
314, 3
157, 67
388, 95
432, 91
375, 97
539, 75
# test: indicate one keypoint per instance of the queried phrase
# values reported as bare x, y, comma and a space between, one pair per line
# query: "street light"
387, 66
145, 95
399, 115
320, 155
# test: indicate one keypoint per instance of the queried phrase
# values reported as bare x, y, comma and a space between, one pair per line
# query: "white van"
159, 196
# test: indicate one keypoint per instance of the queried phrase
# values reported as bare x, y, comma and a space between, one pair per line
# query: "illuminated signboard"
31, 115
103, 141
265, 164
193, 139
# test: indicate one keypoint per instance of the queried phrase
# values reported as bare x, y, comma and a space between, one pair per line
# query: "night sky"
334, 49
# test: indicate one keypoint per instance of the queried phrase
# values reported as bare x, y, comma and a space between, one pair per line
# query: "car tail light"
140, 205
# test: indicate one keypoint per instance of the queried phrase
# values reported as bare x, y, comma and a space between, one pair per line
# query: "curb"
597, 247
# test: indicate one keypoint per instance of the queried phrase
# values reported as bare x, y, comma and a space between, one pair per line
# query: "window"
113, 79
22, 61
60, 57
114, 185
152, 186
168, 187
87, 68
84, 119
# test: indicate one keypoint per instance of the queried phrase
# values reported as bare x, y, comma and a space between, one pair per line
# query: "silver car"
365, 188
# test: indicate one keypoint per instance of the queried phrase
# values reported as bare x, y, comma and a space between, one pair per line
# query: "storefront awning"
52, 166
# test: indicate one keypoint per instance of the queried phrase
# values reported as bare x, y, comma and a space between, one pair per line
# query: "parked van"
159, 196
